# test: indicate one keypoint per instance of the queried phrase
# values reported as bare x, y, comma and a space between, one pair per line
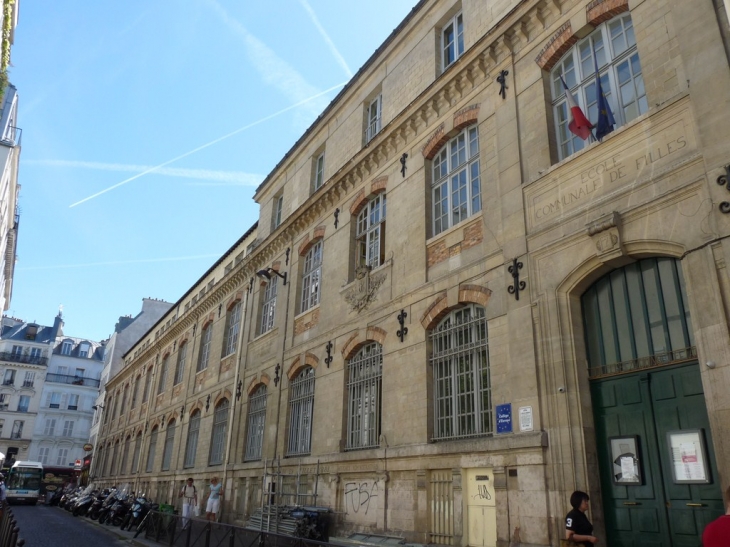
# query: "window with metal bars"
462, 389
268, 305
218, 437
255, 425
233, 319
135, 390
169, 442
135, 455
163, 374
205, 339
147, 386
191, 446
370, 234
364, 389
125, 455
456, 192
151, 450
614, 44
113, 463
180, 367
301, 406
311, 277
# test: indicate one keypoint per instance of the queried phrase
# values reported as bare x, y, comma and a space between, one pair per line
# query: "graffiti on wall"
360, 496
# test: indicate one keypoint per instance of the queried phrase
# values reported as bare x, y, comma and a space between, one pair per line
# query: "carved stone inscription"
637, 161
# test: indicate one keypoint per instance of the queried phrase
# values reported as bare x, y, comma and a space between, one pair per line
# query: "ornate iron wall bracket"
207, 403
328, 359
288, 250
403, 159
239, 390
276, 376
403, 329
722, 180
250, 285
501, 80
182, 412
518, 285
337, 217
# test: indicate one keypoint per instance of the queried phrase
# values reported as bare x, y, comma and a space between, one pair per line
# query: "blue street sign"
504, 418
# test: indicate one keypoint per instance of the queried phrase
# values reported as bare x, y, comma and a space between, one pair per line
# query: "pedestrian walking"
189, 495
214, 499
577, 526
717, 533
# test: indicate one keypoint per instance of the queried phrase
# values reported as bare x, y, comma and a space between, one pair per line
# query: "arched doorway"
659, 477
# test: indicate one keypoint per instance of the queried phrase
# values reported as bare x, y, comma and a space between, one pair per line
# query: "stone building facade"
543, 313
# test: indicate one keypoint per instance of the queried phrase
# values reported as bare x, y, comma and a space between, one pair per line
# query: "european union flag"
605, 122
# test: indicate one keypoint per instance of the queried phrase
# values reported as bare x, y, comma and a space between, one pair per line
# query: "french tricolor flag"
579, 125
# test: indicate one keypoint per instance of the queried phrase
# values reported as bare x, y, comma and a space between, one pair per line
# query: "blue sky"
213, 91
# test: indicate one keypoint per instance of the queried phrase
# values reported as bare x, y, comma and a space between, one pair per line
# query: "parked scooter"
95, 508
137, 512
83, 503
119, 509
107, 506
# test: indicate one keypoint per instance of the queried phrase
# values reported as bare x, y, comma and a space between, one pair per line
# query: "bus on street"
23, 484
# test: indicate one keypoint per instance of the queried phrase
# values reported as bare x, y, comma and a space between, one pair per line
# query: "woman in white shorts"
214, 499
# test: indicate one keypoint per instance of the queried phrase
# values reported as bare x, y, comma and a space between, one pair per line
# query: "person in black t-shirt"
577, 526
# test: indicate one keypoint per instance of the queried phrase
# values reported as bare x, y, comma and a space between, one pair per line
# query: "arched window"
99, 466
114, 460
370, 233
147, 385
268, 305
135, 456
180, 367
218, 436
169, 442
255, 425
151, 450
125, 455
135, 391
301, 406
233, 320
125, 398
191, 446
462, 393
456, 191
364, 389
311, 277
619, 68
205, 338
637, 317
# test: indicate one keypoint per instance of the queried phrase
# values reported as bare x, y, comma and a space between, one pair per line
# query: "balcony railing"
75, 380
23, 358
13, 135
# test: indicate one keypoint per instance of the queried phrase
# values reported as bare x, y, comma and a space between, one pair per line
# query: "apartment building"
464, 301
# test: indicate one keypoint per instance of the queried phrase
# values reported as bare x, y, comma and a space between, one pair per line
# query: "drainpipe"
283, 348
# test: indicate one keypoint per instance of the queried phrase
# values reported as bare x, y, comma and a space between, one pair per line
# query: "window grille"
218, 438
169, 442
301, 404
312, 276
371, 233
135, 456
205, 339
180, 368
233, 318
151, 450
256, 422
125, 456
364, 387
135, 391
147, 386
268, 309
113, 462
462, 388
191, 447
163, 374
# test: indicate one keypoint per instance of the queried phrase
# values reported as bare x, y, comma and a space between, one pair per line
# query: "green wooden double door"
655, 450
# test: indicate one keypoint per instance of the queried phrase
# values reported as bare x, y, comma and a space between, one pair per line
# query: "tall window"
373, 118
318, 178
73, 401
9, 378
301, 406
23, 403
233, 320
151, 450
50, 428
106, 414
371, 233
147, 385
191, 447
255, 426
163, 374
35, 355
55, 401
125, 396
268, 307
135, 391
62, 457
169, 442
278, 210
456, 187
113, 463
312, 276
619, 67
137, 450
180, 367
205, 339
364, 396
462, 389
125, 455
29, 379
452, 40
66, 347
17, 432
638, 317
43, 454
218, 437
68, 428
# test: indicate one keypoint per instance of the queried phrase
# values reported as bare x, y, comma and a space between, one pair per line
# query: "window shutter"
64, 398
48, 400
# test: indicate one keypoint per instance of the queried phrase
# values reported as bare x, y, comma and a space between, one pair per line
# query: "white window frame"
318, 179
364, 397
456, 193
182, 352
55, 400
17, 432
62, 456
268, 305
233, 322
205, 339
68, 428
50, 429
255, 424
370, 233
312, 277
73, 401
278, 211
452, 40
29, 379
36, 355
26, 399
615, 45
373, 118
43, 453
66, 347
163, 374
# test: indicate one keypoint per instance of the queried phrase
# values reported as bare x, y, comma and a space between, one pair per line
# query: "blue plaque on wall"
504, 418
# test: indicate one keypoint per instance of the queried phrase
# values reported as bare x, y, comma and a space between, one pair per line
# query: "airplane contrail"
326, 37
206, 145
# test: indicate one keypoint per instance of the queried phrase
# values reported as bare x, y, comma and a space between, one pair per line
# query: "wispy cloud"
117, 262
274, 70
219, 177
206, 145
327, 39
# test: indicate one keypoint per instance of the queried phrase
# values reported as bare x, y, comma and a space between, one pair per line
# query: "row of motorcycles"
114, 507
